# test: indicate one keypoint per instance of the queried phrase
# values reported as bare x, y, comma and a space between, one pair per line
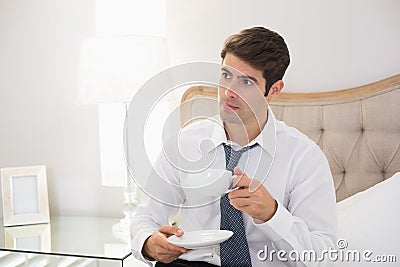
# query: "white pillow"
370, 221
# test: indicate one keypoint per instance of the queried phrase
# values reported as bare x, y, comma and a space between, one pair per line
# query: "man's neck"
242, 134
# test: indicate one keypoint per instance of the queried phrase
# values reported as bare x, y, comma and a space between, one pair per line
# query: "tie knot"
230, 149
232, 156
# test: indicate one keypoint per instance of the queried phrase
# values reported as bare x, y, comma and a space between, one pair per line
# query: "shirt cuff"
278, 226
137, 246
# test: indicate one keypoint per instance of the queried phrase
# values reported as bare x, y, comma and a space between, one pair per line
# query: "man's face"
241, 93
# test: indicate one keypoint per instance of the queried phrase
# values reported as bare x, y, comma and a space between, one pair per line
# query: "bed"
358, 129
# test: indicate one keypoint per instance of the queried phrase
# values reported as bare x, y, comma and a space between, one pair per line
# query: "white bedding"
370, 223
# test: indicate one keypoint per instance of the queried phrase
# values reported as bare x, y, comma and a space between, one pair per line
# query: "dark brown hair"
263, 49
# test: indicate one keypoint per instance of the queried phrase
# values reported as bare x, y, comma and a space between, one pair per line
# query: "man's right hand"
157, 247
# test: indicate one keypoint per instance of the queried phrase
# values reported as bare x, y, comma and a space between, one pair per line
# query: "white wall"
39, 120
334, 45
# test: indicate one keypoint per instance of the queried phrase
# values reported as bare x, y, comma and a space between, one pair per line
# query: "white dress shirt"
290, 166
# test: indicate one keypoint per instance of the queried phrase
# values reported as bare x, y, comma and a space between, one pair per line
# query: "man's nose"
230, 91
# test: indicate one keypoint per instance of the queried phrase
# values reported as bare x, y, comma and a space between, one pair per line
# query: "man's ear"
275, 90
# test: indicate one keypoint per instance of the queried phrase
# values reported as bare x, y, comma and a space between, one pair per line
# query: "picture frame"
24, 195
28, 237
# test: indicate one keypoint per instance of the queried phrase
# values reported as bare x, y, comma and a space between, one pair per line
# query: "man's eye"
226, 75
247, 82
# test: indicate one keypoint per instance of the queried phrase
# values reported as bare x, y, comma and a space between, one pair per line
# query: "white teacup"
210, 182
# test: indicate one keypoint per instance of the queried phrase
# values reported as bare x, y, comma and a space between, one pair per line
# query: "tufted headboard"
358, 129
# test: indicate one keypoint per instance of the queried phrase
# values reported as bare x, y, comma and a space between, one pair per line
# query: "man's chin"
230, 117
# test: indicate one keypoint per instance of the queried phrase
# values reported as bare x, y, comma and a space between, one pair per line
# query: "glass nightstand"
67, 241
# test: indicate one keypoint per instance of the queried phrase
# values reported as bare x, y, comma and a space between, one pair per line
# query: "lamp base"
121, 230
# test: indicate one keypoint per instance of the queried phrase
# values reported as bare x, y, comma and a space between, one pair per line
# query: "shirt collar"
266, 139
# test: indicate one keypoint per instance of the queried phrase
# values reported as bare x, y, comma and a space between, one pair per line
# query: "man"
285, 202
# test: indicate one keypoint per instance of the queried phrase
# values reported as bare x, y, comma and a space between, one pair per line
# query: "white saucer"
200, 239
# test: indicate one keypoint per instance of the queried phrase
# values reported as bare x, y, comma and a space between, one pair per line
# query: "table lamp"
111, 71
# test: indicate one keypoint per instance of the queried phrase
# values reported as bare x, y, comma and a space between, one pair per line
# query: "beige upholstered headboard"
358, 129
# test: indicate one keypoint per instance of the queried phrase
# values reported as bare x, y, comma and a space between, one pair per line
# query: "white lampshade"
113, 68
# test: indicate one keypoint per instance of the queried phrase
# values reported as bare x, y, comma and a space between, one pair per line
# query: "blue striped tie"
234, 251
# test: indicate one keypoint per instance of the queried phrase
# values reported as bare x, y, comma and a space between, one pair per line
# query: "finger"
170, 259
171, 230
166, 247
239, 193
240, 179
179, 250
160, 250
237, 171
240, 203
167, 258
170, 253
254, 185
170, 249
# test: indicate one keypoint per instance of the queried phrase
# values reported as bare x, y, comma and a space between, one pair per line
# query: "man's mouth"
229, 106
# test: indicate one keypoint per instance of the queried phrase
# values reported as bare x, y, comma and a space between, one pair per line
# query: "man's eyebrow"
226, 70
241, 76
248, 77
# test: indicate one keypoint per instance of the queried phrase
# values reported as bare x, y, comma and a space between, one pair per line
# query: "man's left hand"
255, 200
